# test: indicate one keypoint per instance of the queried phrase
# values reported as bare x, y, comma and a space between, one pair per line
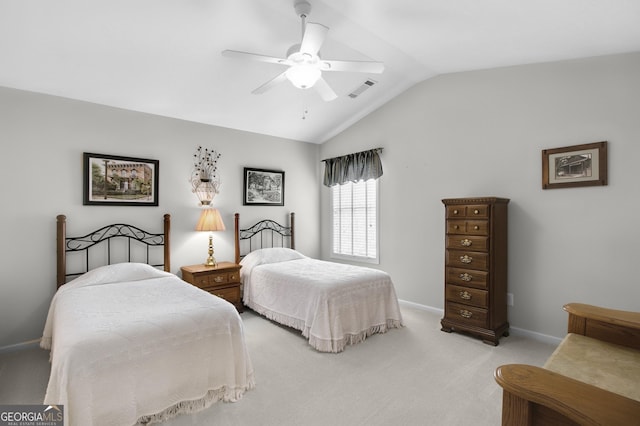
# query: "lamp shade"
210, 220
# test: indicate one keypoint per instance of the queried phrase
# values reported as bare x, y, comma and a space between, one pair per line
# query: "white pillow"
267, 255
272, 255
118, 272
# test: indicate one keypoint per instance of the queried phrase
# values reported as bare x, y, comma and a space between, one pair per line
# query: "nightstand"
222, 280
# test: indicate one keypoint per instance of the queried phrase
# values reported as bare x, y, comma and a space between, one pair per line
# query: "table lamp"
210, 220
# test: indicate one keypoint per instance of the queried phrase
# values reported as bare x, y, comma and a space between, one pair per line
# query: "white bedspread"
131, 343
332, 304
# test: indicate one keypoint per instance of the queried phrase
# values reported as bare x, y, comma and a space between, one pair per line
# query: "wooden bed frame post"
237, 235
291, 225
167, 256
61, 266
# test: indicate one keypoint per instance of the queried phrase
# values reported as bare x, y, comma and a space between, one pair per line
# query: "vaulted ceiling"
164, 56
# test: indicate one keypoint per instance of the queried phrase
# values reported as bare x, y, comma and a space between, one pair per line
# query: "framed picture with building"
573, 166
119, 181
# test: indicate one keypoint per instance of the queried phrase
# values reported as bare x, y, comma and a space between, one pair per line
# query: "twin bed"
133, 344
333, 304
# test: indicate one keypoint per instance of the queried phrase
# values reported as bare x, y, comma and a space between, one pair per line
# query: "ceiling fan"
303, 60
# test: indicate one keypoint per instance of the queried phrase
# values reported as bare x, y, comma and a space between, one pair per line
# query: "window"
355, 221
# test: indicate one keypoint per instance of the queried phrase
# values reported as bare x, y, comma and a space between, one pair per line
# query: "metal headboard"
106, 234
265, 233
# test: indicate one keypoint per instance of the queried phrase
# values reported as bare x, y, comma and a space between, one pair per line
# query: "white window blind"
355, 220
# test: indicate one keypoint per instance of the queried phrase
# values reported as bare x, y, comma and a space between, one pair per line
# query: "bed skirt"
186, 407
324, 345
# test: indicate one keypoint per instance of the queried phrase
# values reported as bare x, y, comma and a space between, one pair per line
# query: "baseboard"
20, 346
534, 335
421, 307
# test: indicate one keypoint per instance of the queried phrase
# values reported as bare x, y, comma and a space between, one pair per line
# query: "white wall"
467, 134
481, 134
43, 138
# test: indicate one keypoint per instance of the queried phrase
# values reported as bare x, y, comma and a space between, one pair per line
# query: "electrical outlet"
509, 299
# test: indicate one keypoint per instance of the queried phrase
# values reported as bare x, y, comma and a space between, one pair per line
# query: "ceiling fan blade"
255, 57
313, 38
326, 92
352, 66
269, 84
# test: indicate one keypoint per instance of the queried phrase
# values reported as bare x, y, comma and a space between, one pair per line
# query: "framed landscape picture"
573, 166
263, 187
119, 181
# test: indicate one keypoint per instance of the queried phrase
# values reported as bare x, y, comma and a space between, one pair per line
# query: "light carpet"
416, 375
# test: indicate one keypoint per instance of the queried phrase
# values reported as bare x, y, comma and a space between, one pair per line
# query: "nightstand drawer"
202, 280
230, 294
224, 278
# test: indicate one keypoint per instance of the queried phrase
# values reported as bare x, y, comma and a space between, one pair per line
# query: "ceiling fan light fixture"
303, 76
303, 59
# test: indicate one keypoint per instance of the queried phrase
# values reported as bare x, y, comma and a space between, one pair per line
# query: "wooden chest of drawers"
476, 267
222, 280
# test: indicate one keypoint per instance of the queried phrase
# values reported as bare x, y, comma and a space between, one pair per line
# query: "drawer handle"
466, 242
220, 296
466, 314
476, 227
455, 212
466, 259
455, 227
465, 295
465, 277
476, 211
218, 279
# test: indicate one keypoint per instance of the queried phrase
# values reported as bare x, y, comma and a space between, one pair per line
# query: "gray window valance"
363, 165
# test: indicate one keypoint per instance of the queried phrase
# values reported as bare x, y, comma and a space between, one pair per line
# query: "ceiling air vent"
366, 85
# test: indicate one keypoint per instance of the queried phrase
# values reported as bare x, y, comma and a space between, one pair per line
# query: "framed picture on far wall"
263, 187
577, 165
111, 180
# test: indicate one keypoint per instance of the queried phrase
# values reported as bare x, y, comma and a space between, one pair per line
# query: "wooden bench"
592, 378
